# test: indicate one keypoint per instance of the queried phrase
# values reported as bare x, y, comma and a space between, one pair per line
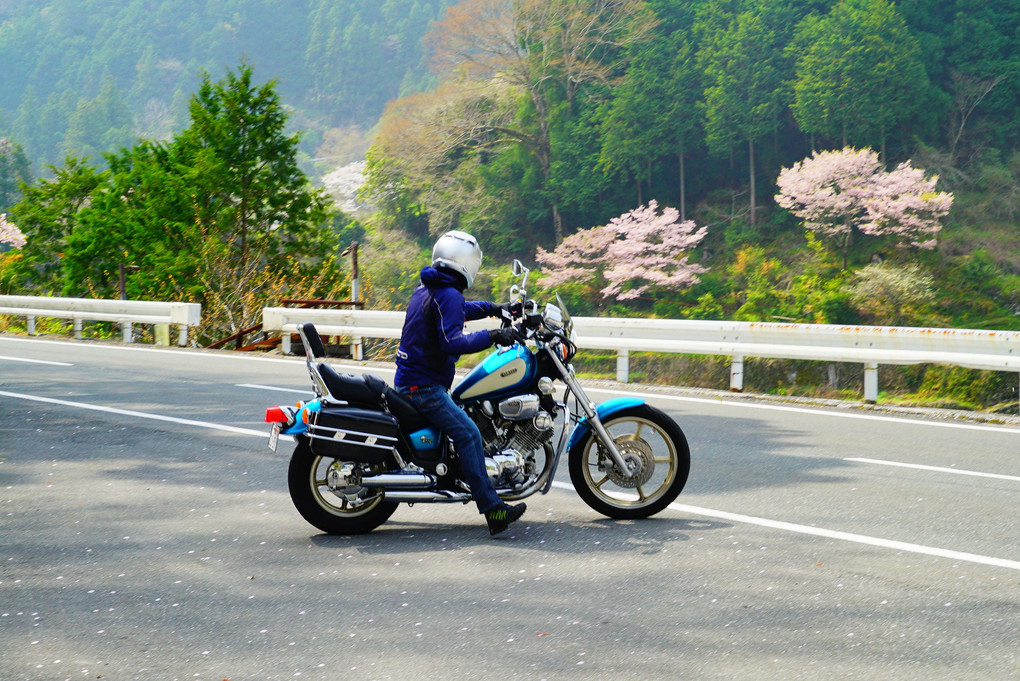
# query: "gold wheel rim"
330, 502
663, 457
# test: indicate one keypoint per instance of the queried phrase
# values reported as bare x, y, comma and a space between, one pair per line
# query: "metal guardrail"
357, 324
124, 312
867, 345
264, 343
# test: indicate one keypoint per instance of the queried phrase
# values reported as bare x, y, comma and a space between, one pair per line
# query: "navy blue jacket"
433, 337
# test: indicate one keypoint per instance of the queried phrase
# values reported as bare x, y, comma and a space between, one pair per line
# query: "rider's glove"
505, 336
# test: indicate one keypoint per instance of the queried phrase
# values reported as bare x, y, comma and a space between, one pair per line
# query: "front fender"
604, 411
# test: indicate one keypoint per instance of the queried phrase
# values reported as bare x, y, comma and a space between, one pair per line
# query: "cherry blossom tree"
904, 204
839, 192
635, 252
10, 234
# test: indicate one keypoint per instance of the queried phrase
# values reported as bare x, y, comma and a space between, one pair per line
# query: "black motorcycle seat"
371, 391
399, 406
350, 387
409, 417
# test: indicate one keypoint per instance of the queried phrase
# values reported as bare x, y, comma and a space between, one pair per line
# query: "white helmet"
460, 252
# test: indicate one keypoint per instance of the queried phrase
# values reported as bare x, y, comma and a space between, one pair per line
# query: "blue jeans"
435, 404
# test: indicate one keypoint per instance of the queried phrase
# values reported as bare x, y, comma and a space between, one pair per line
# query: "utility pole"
353, 251
356, 347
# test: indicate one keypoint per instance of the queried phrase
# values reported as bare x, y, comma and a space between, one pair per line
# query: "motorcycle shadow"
572, 536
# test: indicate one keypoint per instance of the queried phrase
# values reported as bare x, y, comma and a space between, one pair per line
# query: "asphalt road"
146, 533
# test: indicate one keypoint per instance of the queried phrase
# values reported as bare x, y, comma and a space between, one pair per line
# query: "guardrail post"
126, 332
737, 374
76, 326
285, 343
623, 366
871, 383
30, 323
182, 335
161, 334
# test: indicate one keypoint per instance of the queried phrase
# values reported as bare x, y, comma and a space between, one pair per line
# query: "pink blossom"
633, 253
906, 205
835, 192
10, 234
578, 255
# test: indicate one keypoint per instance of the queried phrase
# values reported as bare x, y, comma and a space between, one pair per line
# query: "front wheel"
308, 479
656, 451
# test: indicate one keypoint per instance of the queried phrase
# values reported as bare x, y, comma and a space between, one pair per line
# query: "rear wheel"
656, 452
349, 510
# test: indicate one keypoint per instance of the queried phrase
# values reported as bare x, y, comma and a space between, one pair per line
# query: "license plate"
274, 437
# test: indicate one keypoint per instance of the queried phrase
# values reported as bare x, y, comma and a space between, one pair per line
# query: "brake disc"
637, 454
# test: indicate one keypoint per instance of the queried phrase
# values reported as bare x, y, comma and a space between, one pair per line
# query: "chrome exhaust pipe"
399, 480
424, 497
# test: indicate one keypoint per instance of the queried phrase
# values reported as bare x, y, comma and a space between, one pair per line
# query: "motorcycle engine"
517, 424
506, 468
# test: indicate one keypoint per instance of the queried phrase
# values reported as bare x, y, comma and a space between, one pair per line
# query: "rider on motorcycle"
432, 340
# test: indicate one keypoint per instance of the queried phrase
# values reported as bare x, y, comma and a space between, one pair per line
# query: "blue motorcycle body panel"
506, 372
426, 442
300, 424
604, 411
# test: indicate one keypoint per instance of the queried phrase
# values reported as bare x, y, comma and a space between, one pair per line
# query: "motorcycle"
362, 448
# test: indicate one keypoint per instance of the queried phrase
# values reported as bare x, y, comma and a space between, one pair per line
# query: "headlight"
552, 317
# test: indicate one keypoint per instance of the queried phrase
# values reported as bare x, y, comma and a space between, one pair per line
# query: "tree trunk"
557, 222
544, 156
754, 207
847, 240
648, 177
543, 152
244, 221
683, 188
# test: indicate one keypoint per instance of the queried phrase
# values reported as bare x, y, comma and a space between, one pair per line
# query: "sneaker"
500, 517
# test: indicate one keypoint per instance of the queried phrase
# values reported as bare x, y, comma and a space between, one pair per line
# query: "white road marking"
645, 395
135, 414
836, 534
220, 356
814, 412
937, 469
256, 386
710, 513
35, 361
683, 508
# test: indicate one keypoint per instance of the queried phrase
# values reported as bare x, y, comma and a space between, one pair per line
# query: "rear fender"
300, 415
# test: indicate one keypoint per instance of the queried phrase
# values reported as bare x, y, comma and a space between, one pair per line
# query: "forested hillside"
554, 119
826, 161
82, 77
686, 100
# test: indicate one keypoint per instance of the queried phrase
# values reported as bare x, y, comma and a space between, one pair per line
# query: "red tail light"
277, 415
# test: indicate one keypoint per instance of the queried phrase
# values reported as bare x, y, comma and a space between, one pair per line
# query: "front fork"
592, 416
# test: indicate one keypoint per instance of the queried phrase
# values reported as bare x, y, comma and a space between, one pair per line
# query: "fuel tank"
505, 372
